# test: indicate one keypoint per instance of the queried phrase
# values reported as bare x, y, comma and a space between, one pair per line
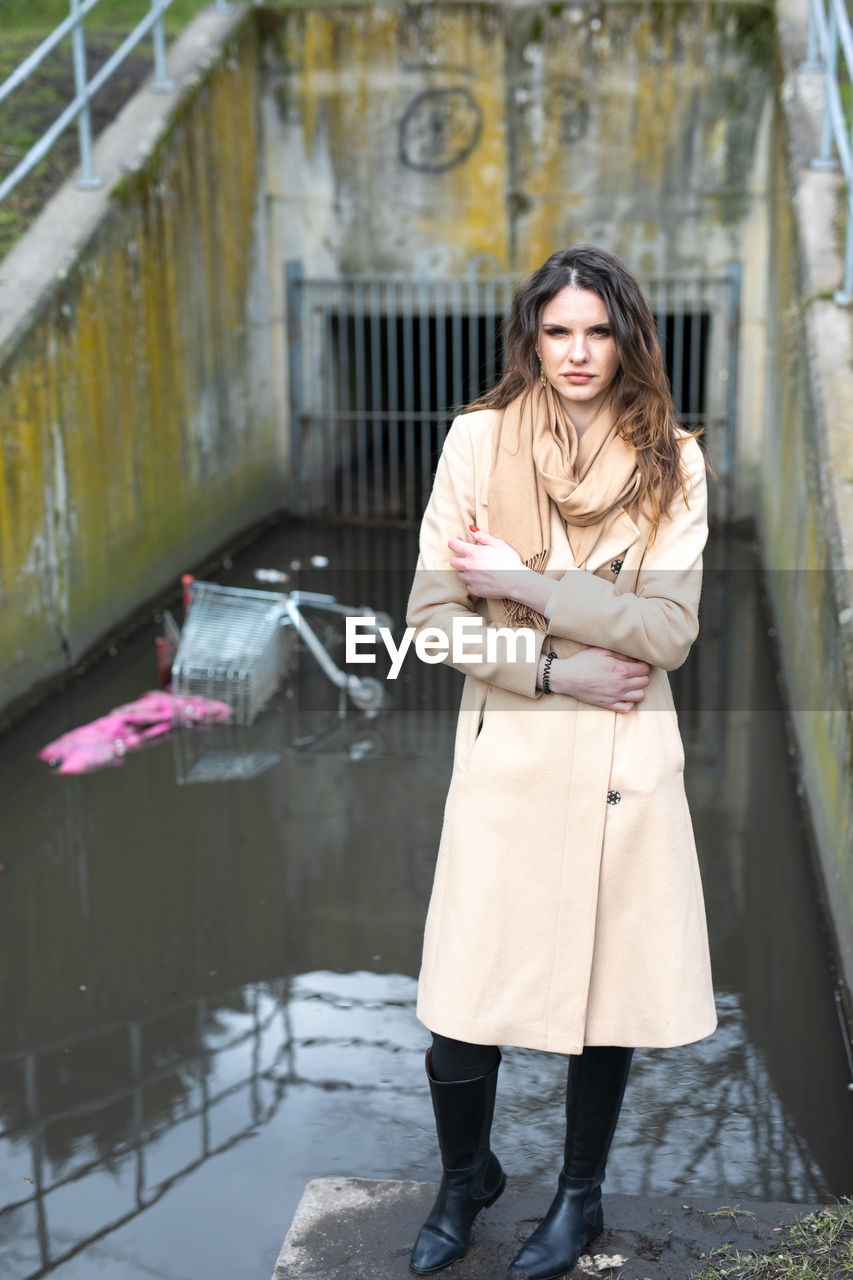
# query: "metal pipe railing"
85, 89
830, 39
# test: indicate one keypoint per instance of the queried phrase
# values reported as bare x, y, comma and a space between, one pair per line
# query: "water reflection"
115, 1120
208, 986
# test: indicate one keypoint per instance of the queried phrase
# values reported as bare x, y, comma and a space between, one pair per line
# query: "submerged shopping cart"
234, 645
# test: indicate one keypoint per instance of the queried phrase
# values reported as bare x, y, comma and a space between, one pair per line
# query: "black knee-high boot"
596, 1084
472, 1177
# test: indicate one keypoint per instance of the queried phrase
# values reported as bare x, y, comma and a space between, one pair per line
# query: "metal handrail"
829, 33
85, 89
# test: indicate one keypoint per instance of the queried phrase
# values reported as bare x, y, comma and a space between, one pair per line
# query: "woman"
567, 911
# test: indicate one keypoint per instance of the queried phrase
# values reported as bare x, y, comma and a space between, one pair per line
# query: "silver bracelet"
546, 673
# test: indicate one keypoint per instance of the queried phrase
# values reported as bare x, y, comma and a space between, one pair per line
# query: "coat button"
615, 566
613, 797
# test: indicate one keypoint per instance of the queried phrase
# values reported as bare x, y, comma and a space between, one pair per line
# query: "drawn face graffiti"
440, 129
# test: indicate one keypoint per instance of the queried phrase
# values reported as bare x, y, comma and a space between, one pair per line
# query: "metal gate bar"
379, 365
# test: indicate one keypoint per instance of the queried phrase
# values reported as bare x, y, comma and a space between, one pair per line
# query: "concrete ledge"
362, 1229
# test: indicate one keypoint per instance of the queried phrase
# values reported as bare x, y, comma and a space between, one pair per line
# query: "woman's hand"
489, 567
601, 677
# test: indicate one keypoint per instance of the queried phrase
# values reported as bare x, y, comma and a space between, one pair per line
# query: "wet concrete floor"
208, 958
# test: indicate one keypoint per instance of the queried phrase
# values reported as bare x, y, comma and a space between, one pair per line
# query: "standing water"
209, 957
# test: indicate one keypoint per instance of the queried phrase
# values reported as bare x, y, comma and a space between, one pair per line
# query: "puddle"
208, 959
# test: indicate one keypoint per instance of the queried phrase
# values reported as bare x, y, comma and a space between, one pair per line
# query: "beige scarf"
539, 459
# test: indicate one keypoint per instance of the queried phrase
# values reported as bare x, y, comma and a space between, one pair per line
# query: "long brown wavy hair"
640, 395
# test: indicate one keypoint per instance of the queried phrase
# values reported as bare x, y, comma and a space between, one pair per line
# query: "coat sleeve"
659, 620
439, 596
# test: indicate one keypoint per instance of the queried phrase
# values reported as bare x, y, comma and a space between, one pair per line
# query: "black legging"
458, 1060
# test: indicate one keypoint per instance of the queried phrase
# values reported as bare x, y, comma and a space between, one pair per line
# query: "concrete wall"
421, 136
137, 425
805, 498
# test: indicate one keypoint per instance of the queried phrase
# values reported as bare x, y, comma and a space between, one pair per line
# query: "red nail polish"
473, 528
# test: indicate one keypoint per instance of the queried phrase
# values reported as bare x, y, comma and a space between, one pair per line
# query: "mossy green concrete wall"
420, 137
802, 540
135, 438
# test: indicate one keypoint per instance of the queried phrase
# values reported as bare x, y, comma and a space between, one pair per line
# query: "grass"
731, 1211
32, 107
816, 1247
39, 17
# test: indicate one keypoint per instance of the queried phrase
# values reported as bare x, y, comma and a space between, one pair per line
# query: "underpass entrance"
379, 365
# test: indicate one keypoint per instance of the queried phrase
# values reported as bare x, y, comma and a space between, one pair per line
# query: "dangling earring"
542, 377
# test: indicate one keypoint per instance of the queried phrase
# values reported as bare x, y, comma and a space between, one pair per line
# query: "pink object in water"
107, 740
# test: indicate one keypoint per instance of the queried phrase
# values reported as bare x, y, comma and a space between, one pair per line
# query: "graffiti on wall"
439, 129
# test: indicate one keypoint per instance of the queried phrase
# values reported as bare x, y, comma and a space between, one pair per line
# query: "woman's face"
577, 350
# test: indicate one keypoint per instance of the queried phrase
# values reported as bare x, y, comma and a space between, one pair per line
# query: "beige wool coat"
567, 905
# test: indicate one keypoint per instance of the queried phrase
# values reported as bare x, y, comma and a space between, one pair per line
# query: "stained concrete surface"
363, 1229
